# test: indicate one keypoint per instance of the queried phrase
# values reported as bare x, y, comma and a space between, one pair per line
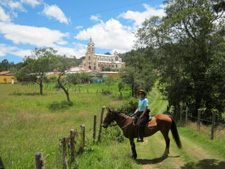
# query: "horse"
160, 122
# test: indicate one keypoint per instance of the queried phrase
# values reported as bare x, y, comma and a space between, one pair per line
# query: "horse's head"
109, 118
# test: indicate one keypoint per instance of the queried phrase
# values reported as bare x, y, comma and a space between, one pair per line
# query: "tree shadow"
26, 94
205, 164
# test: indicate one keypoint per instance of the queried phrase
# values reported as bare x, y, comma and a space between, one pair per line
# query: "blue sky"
67, 25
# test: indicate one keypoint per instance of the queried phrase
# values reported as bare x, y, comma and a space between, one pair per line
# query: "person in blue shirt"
142, 114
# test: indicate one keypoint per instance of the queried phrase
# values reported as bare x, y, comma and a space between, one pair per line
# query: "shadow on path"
205, 164
153, 161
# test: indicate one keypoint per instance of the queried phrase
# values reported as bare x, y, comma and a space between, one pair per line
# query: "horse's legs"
167, 140
132, 144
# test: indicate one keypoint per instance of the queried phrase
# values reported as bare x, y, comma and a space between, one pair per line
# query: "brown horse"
160, 122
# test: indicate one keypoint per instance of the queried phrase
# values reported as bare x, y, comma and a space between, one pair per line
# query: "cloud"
77, 50
3, 16
79, 27
139, 17
5, 50
95, 18
37, 36
54, 11
109, 35
33, 3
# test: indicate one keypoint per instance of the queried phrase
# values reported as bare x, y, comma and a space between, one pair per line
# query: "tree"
37, 66
139, 72
63, 65
190, 48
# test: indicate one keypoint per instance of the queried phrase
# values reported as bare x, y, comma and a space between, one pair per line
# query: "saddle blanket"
152, 122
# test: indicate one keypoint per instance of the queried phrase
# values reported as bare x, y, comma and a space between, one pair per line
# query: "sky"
68, 25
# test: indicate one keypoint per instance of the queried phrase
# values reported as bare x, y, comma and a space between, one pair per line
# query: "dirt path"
191, 156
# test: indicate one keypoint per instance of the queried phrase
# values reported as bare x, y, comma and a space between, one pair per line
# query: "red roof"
4, 72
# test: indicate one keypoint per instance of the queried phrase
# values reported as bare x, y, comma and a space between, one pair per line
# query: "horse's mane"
120, 113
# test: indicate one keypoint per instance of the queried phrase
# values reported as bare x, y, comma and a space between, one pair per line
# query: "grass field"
28, 126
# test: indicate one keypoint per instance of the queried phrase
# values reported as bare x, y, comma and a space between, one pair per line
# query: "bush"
59, 105
106, 92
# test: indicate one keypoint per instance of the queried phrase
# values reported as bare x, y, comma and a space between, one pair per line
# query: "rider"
142, 113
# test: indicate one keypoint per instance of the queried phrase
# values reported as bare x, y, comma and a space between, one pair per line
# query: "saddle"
151, 122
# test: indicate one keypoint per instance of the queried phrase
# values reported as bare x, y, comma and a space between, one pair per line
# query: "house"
7, 77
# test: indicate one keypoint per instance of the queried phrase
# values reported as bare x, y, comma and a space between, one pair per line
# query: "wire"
102, 11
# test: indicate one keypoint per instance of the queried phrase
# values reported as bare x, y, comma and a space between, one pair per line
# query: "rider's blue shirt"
143, 102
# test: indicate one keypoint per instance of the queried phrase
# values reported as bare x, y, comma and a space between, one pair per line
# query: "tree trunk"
41, 87
64, 89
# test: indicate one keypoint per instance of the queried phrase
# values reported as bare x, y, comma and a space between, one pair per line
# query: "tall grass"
28, 126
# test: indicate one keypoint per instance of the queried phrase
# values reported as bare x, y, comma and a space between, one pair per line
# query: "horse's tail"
175, 133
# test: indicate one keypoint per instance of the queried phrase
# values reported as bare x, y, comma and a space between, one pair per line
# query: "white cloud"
139, 17
16, 5
37, 36
109, 35
54, 11
3, 16
5, 49
78, 50
79, 27
33, 3
95, 18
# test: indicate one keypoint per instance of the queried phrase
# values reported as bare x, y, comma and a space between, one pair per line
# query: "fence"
213, 122
69, 142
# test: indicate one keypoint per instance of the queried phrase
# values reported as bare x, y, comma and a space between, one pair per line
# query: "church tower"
91, 47
89, 60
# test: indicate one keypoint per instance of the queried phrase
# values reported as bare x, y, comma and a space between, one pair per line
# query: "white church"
99, 62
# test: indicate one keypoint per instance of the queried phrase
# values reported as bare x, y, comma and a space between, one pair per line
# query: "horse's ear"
108, 109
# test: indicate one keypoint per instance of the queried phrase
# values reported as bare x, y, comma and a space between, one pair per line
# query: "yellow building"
7, 77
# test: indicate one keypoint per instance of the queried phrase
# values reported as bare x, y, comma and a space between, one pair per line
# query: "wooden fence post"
64, 160
1, 164
72, 145
82, 137
100, 126
94, 130
199, 117
39, 161
213, 124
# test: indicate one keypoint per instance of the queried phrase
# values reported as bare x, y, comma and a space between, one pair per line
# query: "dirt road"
195, 154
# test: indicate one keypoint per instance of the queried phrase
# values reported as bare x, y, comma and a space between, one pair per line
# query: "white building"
101, 61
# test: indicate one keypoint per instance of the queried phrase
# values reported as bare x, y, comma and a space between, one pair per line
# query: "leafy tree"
37, 66
139, 72
189, 44
63, 64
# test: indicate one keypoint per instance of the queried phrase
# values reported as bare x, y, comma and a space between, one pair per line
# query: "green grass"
28, 126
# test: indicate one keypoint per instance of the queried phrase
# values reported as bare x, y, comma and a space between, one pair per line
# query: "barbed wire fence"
214, 124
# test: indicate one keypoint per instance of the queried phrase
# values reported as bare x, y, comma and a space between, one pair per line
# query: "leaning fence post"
64, 161
72, 141
1, 164
39, 161
199, 117
82, 137
100, 129
94, 131
213, 124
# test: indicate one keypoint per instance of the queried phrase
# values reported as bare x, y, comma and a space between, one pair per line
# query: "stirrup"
140, 139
